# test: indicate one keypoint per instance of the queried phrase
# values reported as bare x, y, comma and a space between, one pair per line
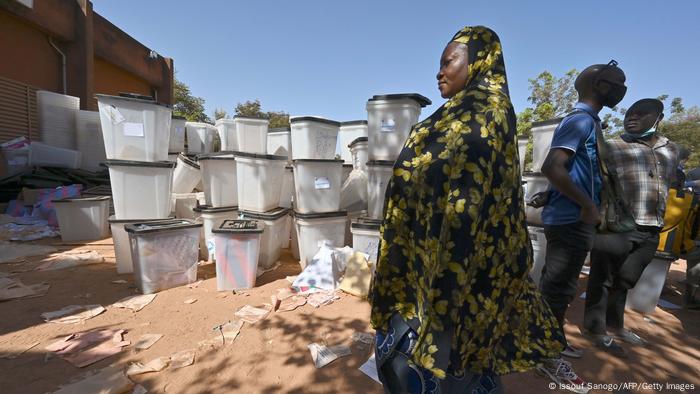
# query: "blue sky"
328, 57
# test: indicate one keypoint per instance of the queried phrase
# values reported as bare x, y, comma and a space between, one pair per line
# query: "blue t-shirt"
577, 134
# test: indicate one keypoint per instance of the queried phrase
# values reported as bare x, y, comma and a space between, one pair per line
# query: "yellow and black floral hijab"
455, 253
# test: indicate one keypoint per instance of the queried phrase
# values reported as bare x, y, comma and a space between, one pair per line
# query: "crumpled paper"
73, 314
14, 288
250, 314
70, 260
135, 303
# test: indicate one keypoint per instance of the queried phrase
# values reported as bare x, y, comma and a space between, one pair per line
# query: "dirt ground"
271, 356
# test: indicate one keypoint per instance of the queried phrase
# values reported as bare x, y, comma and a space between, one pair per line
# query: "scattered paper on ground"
364, 340
12, 251
190, 301
110, 380
73, 314
322, 298
250, 314
138, 389
156, 365
14, 288
369, 368
231, 329
182, 359
323, 355
99, 352
284, 293
135, 303
26, 229
291, 303
20, 350
145, 341
119, 282
195, 284
291, 279
70, 260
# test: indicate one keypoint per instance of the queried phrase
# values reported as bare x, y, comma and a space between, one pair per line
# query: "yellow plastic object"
358, 276
681, 214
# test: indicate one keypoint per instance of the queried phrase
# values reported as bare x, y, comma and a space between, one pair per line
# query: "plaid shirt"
645, 173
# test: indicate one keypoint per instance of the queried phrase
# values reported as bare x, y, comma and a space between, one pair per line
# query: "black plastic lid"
317, 160
380, 163
187, 160
238, 226
132, 163
259, 156
80, 199
278, 130
173, 153
347, 165
320, 215
367, 224
159, 226
223, 155
269, 215
210, 209
314, 119
289, 168
135, 221
357, 141
132, 97
353, 123
420, 99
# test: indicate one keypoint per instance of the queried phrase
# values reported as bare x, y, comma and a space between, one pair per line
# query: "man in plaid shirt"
645, 164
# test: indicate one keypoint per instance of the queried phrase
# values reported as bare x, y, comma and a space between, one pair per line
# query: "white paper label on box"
133, 129
322, 182
114, 115
387, 125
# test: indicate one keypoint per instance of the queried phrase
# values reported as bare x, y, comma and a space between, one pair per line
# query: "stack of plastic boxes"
390, 118
136, 133
317, 184
260, 181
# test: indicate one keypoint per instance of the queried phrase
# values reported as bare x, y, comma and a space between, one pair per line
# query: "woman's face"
454, 69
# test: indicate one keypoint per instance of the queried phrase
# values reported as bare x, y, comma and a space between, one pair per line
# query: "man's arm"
554, 168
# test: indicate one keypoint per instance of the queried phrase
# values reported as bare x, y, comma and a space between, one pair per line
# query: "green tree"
187, 105
254, 109
220, 113
683, 127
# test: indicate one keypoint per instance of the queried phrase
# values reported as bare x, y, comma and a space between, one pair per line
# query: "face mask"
647, 133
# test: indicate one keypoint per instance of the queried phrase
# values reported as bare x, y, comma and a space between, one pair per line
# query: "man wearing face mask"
571, 212
645, 164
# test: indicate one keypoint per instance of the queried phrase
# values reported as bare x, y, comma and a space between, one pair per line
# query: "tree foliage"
187, 105
220, 113
254, 109
683, 128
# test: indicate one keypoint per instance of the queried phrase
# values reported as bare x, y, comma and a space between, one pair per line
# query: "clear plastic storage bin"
57, 116
200, 137
251, 134
365, 237
83, 219
237, 251
177, 134
141, 190
187, 175
349, 132
122, 248
360, 155
317, 185
314, 228
219, 179
259, 181
279, 142
164, 253
134, 127
89, 139
313, 138
390, 118
211, 218
275, 225
379, 175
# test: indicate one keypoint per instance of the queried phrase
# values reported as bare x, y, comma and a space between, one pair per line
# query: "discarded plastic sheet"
14, 288
135, 303
292, 303
11, 355
262, 270
99, 352
110, 380
358, 275
190, 301
73, 314
250, 314
70, 260
340, 350
369, 368
322, 272
13, 251
323, 355
155, 365
145, 341
182, 359
138, 389
322, 298
81, 340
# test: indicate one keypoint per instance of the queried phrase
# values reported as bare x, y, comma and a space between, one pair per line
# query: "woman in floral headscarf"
451, 300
